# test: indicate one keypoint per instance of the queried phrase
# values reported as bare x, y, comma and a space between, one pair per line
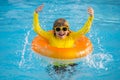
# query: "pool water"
19, 62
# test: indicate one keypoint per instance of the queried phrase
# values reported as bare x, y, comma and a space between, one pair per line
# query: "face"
61, 32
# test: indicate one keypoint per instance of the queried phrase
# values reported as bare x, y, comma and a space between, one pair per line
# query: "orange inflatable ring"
82, 48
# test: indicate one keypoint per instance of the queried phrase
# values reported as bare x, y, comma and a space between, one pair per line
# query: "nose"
61, 31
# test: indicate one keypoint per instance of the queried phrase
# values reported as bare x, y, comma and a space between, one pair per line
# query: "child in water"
62, 36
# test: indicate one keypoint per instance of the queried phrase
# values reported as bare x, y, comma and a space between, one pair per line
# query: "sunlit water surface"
19, 62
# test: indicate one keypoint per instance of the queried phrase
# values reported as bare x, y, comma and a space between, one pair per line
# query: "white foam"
98, 61
22, 61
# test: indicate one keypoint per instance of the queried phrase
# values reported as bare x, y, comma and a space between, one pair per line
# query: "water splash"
24, 49
96, 40
98, 61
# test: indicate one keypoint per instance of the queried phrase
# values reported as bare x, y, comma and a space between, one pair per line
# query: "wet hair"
61, 22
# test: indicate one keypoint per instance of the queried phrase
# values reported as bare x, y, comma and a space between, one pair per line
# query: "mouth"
61, 35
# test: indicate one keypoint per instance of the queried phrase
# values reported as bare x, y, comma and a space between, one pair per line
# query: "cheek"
56, 33
66, 32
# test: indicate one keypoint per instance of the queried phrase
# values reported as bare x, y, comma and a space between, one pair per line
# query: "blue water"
19, 62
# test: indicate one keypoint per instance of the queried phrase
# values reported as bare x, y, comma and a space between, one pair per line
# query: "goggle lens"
57, 29
64, 29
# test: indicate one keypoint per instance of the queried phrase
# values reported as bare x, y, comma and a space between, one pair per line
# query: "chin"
62, 37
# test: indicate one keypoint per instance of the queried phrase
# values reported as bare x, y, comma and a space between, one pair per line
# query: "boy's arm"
86, 28
36, 26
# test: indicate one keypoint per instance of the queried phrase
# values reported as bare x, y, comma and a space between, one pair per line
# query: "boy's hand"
91, 11
39, 8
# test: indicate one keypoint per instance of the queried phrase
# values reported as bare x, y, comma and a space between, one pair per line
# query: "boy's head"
61, 28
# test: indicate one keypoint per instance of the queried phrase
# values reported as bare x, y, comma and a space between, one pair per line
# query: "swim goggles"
60, 28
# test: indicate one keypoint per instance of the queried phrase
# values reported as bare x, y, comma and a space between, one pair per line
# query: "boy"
62, 36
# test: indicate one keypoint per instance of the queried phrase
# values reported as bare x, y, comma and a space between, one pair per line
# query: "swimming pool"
19, 62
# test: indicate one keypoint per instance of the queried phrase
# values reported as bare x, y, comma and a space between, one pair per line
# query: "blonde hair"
60, 22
